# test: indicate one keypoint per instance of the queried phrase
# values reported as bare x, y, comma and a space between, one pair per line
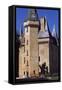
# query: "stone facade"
44, 52
37, 48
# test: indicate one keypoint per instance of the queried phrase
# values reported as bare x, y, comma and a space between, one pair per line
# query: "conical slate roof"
54, 34
32, 15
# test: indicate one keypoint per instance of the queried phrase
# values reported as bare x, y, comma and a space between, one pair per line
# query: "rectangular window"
27, 74
27, 52
24, 73
24, 60
24, 42
34, 71
24, 39
27, 42
24, 48
27, 63
39, 58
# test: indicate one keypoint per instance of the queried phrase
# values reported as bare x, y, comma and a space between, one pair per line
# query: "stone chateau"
38, 46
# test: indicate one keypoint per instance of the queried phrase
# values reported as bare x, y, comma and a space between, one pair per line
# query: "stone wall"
44, 52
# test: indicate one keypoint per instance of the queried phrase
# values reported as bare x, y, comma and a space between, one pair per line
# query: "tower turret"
31, 26
32, 15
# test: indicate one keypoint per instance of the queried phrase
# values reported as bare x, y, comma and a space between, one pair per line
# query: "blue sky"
51, 16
